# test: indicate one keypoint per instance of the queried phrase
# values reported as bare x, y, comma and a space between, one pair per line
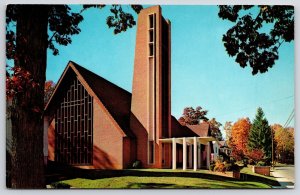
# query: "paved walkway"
285, 176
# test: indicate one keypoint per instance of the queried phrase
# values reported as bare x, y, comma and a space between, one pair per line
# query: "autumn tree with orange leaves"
284, 143
239, 138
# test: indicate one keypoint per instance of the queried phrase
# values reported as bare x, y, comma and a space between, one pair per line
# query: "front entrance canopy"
179, 140
196, 142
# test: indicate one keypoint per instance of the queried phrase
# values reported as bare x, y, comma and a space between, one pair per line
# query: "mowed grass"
159, 182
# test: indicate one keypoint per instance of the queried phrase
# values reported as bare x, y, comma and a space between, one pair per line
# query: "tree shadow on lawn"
154, 185
57, 172
195, 186
248, 177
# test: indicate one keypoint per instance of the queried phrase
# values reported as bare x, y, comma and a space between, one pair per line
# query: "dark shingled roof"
115, 99
177, 130
202, 130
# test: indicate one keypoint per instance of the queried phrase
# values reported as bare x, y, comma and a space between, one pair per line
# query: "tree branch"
280, 44
50, 40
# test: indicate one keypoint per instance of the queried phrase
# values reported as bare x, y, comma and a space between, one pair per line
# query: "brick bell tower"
151, 94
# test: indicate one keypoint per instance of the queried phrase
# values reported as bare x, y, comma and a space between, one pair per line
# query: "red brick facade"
125, 127
151, 99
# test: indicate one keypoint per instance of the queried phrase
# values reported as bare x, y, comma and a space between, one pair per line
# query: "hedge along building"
91, 123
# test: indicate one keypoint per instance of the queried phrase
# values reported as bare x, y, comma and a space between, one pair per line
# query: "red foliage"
49, 88
49, 85
255, 155
18, 80
237, 154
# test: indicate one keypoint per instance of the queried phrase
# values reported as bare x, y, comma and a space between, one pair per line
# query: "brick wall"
51, 140
107, 141
263, 170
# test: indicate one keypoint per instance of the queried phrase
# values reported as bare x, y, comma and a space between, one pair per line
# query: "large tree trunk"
27, 124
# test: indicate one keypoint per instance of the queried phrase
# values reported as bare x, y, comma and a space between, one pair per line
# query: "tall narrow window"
151, 35
73, 122
152, 88
151, 20
151, 50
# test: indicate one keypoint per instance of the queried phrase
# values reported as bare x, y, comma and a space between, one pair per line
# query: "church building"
92, 123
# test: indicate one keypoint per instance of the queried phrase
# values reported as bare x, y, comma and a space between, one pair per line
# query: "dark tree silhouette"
249, 41
39, 27
191, 116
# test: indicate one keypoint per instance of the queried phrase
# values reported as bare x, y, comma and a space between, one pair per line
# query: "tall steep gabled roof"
177, 130
116, 100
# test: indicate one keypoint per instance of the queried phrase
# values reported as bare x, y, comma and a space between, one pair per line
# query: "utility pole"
272, 149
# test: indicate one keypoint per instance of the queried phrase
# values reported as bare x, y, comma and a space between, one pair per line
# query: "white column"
184, 154
208, 155
173, 153
195, 153
199, 156
190, 156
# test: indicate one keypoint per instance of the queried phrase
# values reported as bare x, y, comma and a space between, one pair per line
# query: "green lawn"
158, 178
159, 182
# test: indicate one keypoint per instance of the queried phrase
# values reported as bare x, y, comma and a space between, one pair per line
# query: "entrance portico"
194, 154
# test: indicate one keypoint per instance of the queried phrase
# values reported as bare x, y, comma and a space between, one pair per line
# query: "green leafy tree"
191, 116
215, 129
250, 41
260, 135
38, 28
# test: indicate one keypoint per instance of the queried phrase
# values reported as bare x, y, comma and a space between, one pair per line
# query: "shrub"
228, 166
232, 160
212, 167
220, 167
261, 163
245, 162
268, 162
137, 164
251, 162
235, 168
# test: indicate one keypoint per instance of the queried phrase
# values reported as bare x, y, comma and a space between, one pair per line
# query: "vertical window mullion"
73, 126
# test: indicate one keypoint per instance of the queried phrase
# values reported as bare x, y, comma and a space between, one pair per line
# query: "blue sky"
202, 72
